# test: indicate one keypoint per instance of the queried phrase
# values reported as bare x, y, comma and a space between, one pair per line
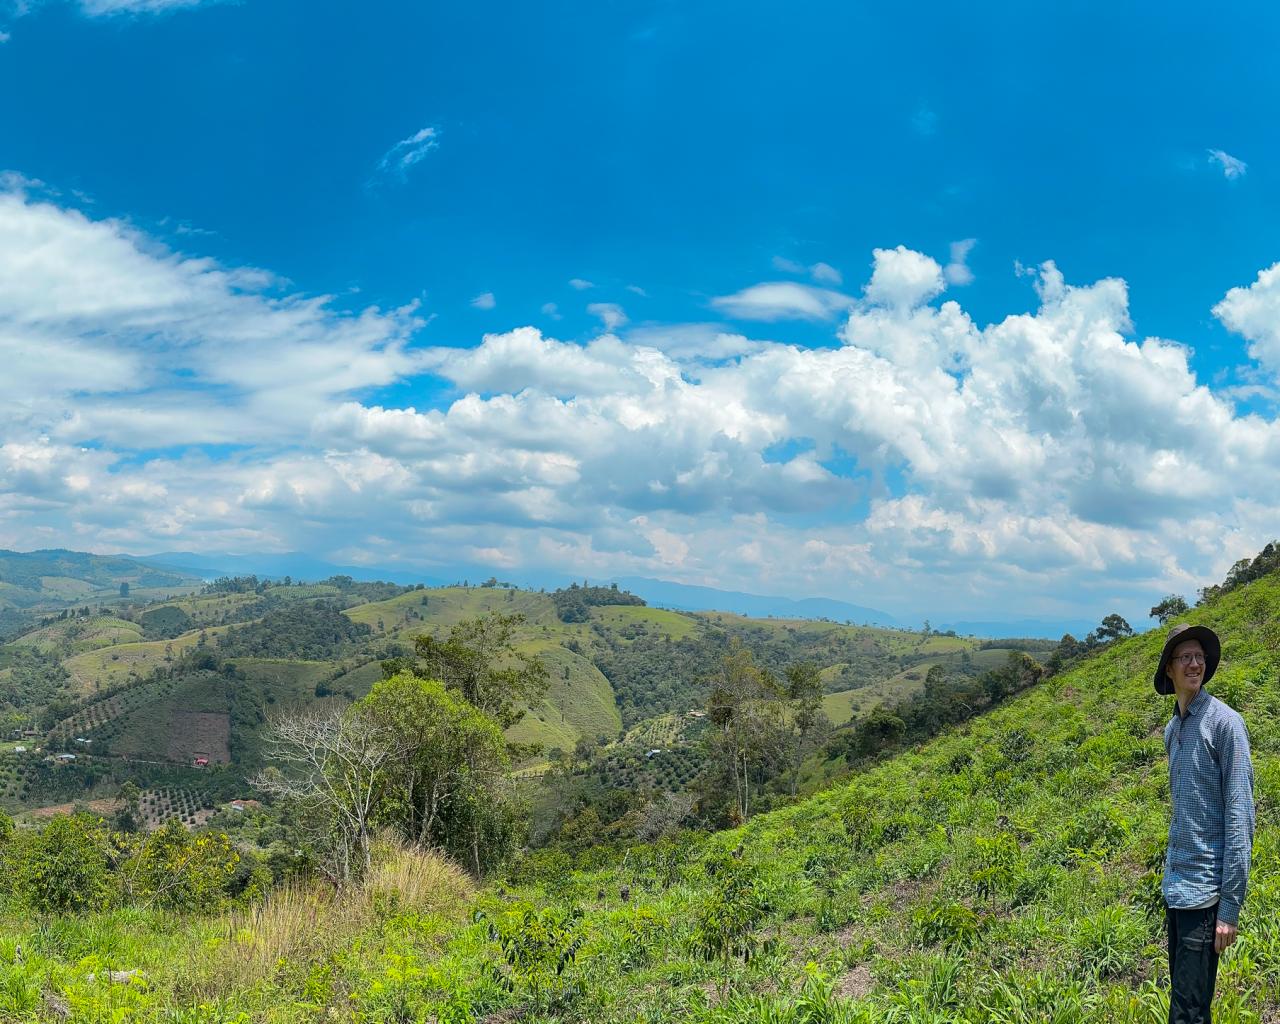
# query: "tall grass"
307, 923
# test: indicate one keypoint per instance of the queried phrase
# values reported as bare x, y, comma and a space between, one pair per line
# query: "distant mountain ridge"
660, 593
34, 583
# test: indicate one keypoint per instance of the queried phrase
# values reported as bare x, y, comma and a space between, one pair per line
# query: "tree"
64, 867
744, 710
1113, 627
480, 661
1170, 608
124, 589
332, 766
447, 780
128, 816
177, 869
804, 692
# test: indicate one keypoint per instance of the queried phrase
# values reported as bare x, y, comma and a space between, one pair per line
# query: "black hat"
1181, 633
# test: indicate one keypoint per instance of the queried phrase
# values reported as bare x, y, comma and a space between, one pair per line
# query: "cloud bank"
1050, 462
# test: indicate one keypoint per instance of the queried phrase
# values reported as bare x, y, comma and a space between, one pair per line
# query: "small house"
200, 762
64, 758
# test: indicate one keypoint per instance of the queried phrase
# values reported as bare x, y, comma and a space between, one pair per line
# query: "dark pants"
1193, 964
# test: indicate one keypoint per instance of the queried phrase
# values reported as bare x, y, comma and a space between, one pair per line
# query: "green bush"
64, 866
953, 925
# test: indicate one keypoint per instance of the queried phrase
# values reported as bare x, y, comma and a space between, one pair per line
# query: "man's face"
1186, 666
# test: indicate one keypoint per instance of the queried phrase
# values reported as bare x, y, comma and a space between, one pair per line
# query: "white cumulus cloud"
1052, 462
903, 278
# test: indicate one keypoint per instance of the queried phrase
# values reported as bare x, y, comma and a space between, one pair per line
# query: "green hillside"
579, 702
37, 584
111, 679
1005, 871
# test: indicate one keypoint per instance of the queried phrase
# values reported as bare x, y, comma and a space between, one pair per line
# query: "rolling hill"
118, 686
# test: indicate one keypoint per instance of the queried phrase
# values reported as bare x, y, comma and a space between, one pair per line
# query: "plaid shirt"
1211, 783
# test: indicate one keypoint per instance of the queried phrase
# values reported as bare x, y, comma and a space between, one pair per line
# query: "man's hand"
1223, 937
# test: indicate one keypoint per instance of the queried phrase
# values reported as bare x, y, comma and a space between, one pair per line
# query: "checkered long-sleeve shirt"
1211, 784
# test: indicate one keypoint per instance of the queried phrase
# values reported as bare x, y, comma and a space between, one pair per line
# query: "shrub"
538, 949
1109, 942
952, 924
727, 916
64, 866
176, 869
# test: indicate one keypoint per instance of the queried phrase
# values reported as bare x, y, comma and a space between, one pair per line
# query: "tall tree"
447, 780
745, 710
804, 694
479, 659
1171, 607
332, 766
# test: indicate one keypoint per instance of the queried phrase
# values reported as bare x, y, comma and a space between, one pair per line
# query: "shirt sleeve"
1237, 799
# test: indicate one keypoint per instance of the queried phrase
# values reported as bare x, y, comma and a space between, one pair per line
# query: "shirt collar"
1197, 702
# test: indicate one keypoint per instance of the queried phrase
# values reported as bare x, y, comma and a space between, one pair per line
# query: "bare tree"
331, 765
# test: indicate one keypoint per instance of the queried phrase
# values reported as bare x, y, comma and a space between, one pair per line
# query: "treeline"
652, 674
1244, 571
946, 700
573, 603
346, 585
303, 630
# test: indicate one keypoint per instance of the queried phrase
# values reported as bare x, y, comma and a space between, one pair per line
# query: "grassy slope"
77, 635
110, 666
407, 615
879, 882
1069, 781
579, 701
1064, 789
652, 620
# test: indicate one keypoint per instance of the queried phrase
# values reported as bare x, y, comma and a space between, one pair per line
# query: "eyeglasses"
1188, 659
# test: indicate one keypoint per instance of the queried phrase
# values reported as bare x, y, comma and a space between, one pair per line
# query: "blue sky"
305, 220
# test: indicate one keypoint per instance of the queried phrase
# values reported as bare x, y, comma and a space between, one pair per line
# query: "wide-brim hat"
1181, 633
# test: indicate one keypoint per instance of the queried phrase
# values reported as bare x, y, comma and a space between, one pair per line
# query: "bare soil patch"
857, 984
195, 734
109, 806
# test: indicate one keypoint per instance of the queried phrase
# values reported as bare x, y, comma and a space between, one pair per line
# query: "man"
1206, 867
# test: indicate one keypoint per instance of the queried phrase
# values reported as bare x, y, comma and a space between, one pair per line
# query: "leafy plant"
728, 915
952, 924
538, 948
